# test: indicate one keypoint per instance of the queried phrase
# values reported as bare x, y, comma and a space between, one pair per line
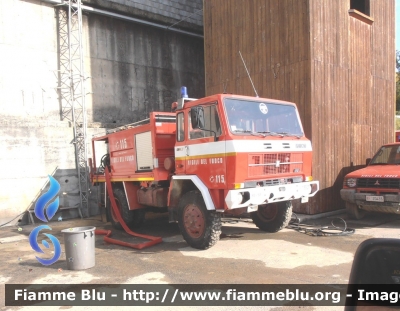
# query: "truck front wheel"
272, 217
199, 227
133, 218
354, 212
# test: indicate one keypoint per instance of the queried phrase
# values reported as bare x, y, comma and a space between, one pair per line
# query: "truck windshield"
262, 118
387, 155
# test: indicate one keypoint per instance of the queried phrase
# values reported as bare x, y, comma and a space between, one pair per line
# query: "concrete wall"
134, 69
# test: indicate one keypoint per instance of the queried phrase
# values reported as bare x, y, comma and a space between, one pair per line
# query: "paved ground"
243, 255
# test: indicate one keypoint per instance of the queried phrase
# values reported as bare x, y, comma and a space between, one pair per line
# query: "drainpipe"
125, 18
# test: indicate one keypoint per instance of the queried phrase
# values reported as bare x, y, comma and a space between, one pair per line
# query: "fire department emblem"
263, 108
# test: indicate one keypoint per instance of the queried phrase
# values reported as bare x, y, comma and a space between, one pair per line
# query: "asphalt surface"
244, 255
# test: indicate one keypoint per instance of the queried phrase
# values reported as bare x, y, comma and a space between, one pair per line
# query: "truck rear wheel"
200, 228
354, 212
272, 217
133, 218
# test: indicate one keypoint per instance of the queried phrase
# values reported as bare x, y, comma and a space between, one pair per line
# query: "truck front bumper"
390, 204
252, 197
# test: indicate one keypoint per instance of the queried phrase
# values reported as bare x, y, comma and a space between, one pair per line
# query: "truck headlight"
351, 182
237, 198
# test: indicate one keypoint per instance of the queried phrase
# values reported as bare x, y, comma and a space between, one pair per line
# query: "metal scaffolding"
72, 88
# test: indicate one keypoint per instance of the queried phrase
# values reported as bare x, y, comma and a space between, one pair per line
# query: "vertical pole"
75, 109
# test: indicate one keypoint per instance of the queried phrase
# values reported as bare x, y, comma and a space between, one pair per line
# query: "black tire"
354, 212
272, 217
200, 228
133, 218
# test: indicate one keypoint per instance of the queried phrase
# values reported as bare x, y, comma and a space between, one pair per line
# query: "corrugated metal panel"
144, 151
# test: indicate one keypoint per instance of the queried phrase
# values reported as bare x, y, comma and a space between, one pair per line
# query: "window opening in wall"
360, 5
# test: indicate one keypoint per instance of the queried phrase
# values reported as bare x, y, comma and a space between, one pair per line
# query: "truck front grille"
378, 183
274, 163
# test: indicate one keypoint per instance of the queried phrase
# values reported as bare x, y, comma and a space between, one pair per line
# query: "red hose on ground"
153, 240
108, 239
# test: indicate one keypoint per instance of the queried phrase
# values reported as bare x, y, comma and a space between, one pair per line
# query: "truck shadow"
243, 229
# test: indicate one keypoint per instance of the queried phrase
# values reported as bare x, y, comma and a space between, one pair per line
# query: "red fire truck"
222, 154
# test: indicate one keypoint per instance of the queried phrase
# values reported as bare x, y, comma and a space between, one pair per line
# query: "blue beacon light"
184, 92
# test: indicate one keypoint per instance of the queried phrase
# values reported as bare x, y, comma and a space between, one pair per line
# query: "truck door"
205, 154
181, 144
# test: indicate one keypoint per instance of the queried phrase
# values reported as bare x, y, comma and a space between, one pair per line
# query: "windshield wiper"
268, 133
290, 134
281, 134
250, 132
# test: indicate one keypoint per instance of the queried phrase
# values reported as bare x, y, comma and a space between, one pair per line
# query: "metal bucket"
79, 247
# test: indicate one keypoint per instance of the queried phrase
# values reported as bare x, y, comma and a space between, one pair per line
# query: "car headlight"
351, 182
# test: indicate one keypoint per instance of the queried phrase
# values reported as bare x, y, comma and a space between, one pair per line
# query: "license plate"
304, 199
374, 198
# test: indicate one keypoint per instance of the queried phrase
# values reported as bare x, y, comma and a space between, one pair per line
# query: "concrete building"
137, 54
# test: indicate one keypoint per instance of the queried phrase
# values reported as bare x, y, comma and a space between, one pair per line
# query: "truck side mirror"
376, 261
367, 161
197, 117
